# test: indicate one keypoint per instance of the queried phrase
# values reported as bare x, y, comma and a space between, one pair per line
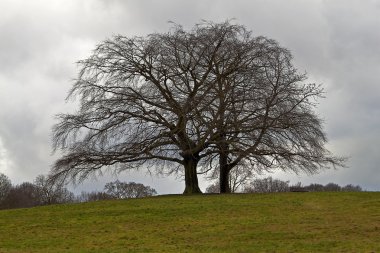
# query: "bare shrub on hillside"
332, 187
123, 190
50, 192
314, 188
267, 185
352, 188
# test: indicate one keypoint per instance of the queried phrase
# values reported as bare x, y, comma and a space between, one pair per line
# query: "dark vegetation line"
268, 185
43, 192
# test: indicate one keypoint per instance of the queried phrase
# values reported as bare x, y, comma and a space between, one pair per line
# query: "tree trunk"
224, 168
224, 172
191, 177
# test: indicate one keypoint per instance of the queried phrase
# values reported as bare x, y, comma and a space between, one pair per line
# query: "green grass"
286, 222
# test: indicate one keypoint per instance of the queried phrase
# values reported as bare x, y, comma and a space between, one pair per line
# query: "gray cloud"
336, 42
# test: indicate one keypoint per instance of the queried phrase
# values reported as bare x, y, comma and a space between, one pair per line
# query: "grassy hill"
286, 222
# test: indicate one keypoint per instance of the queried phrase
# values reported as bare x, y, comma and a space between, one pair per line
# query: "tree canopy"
190, 102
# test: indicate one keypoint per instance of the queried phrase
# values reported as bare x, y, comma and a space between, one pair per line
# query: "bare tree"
267, 185
142, 101
50, 192
332, 187
314, 187
21, 196
5, 186
238, 178
352, 188
263, 112
123, 190
190, 102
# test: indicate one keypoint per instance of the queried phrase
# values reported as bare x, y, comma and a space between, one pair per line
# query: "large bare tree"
186, 101
141, 102
264, 112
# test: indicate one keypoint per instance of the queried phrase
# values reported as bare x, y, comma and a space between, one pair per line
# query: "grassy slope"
289, 222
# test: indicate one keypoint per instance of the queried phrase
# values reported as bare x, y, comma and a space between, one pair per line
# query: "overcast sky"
336, 42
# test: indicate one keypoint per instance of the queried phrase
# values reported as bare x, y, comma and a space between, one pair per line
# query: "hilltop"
283, 222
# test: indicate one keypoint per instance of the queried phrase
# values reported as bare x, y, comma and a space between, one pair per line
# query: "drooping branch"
191, 100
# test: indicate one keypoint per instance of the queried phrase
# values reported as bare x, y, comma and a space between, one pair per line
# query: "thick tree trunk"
224, 172
224, 168
191, 177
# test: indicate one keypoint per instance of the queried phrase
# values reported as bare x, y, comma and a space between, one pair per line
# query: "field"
284, 222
